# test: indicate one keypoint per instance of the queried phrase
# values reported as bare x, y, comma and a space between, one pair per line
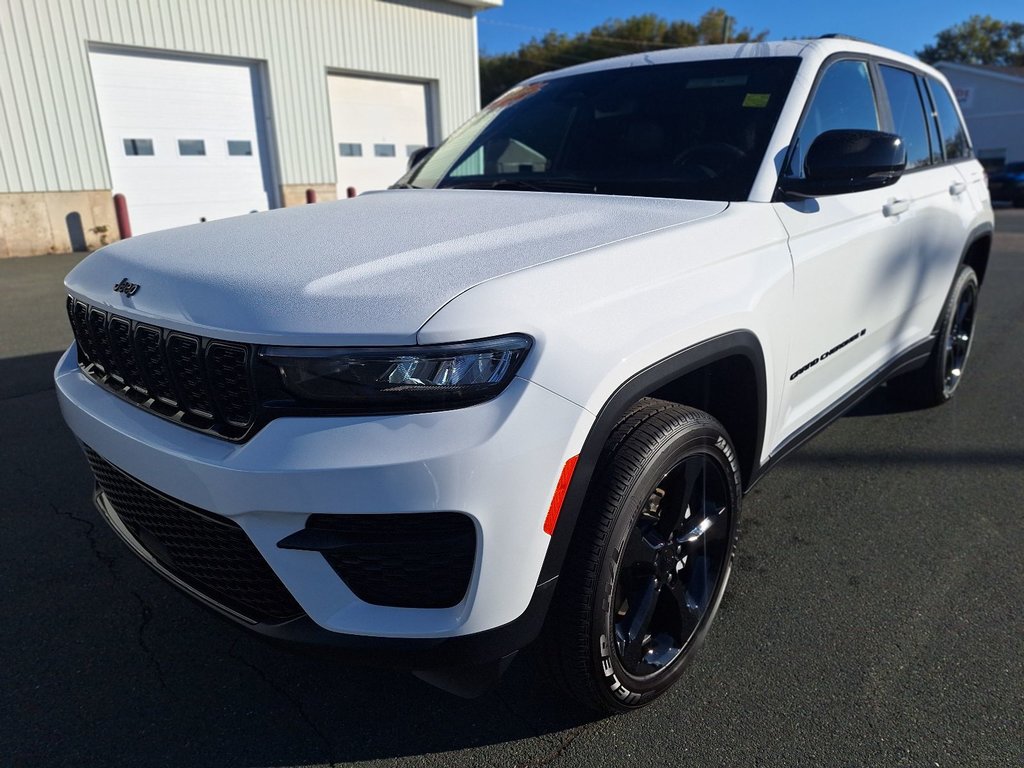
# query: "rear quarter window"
953, 133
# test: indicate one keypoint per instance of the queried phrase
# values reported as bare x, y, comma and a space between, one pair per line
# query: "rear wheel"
650, 558
937, 381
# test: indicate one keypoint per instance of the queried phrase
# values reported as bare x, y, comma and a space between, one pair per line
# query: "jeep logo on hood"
128, 289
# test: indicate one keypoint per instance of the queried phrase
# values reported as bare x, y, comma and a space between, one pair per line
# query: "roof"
817, 50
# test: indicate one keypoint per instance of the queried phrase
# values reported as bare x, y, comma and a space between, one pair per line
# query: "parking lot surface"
875, 616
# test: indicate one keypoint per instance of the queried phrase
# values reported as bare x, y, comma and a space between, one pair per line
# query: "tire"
937, 380
649, 560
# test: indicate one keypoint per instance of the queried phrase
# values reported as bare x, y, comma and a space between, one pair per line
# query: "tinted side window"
954, 137
844, 99
908, 114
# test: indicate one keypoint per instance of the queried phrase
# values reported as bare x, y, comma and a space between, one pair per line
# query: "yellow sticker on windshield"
756, 100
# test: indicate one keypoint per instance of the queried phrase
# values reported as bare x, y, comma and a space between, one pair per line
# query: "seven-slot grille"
209, 553
203, 383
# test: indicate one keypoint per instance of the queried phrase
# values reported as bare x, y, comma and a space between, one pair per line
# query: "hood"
368, 270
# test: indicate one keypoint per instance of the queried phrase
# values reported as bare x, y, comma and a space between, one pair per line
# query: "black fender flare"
982, 230
741, 342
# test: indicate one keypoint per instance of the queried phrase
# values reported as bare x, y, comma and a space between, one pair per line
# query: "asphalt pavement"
875, 615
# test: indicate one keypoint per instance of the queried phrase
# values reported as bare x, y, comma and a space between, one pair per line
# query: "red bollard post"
310, 196
350, 192
124, 225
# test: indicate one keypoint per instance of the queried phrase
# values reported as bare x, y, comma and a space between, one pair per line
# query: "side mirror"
849, 161
418, 155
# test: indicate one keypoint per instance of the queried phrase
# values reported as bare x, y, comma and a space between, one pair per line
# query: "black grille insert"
202, 383
416, 560
209, 553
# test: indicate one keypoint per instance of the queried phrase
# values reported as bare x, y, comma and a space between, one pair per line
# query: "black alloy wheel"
649, 559
959, 336
675, 556
938, 379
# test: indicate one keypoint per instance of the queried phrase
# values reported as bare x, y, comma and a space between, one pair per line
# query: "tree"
615, 37
979, 40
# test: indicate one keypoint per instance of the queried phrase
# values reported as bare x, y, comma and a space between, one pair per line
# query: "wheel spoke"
642, 546
696, 531
638, 624
689, 599
679, 492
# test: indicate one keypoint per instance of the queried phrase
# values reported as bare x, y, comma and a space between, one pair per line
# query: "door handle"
895, 207
957, 188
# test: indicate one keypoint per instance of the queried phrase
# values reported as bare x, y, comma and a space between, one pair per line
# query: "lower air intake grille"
211, 554
420, 560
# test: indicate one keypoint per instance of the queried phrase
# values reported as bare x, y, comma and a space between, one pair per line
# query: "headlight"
360, 379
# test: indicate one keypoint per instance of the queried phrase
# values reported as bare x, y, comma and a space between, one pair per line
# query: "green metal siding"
50, 136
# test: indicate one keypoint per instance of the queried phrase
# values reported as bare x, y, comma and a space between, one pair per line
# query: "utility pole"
725, 27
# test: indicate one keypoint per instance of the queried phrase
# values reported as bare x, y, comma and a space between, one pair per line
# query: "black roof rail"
841, 36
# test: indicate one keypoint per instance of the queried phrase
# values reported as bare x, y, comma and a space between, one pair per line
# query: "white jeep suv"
522, 394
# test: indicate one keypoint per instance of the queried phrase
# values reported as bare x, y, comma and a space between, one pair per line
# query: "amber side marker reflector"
559, 497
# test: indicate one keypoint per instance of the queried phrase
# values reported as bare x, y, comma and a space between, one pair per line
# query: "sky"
905, 25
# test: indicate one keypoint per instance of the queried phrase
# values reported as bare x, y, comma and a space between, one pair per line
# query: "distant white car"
528, 389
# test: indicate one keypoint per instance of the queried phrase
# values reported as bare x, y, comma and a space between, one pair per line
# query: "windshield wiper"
530, 185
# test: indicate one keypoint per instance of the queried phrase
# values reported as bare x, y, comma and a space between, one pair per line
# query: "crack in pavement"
109, 561
16, 395
560, 749
292, 699
147, 617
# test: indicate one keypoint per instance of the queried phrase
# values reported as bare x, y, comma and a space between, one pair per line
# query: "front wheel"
649, 560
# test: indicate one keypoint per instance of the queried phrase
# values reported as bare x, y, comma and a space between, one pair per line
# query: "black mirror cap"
417, 156
844, 161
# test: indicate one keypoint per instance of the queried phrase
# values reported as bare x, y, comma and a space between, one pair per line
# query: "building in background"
992, 100
201, 110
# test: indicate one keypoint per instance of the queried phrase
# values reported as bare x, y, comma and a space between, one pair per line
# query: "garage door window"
240, 148
384, 150
350, 150
138, 146
191, 147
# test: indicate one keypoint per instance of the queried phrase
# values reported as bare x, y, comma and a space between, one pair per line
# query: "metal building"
200, 109
992, 100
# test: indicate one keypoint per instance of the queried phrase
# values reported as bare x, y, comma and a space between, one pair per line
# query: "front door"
849, 261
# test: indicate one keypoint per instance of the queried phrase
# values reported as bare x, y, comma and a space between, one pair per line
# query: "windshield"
695, 130
1014, 168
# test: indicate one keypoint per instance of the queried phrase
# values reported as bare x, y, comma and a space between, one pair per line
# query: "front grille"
202, 383
418, 560
209, 553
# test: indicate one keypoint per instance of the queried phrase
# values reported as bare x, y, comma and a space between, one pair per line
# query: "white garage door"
181, 138
376, 124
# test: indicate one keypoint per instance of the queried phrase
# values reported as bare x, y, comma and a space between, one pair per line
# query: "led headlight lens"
399, 378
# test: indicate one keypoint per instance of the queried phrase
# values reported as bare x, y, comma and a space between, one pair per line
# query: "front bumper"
497, 462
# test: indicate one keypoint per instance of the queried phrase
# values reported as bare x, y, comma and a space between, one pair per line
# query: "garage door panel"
370, 111
165, 100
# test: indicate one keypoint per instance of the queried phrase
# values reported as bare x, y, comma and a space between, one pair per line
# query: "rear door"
851, 279
938, 206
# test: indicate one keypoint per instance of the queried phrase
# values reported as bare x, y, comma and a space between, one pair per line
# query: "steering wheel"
710, 158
